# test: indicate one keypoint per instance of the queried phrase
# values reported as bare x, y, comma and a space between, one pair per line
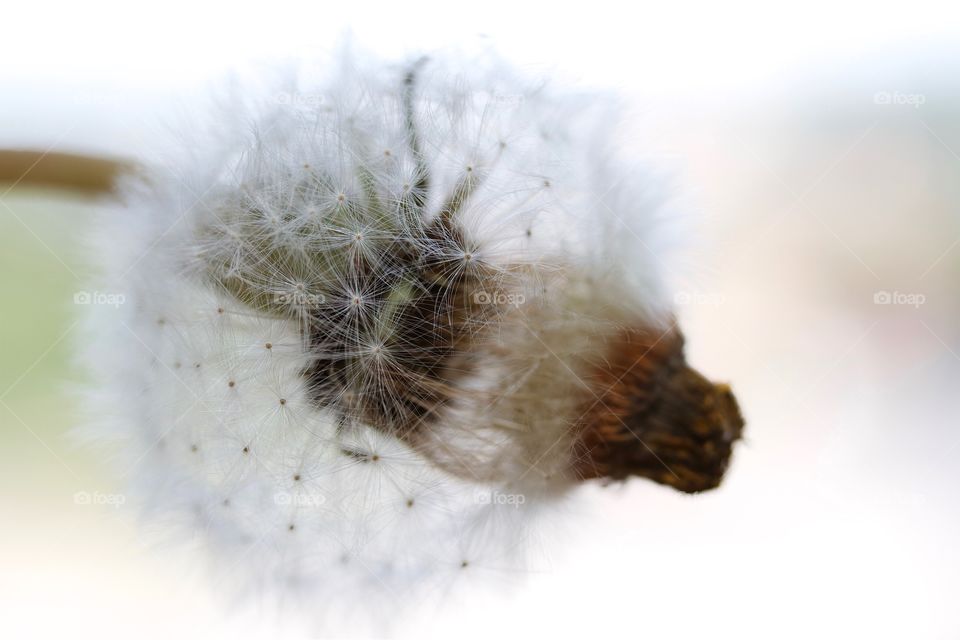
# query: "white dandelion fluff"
377, 326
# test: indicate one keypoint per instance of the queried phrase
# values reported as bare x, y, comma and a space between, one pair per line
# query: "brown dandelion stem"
84, 174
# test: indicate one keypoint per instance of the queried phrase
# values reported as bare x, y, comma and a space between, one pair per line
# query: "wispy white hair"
200, 379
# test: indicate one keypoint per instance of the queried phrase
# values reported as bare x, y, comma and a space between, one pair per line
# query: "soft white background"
840, 516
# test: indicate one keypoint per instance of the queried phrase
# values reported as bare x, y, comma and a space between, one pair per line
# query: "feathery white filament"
228, 253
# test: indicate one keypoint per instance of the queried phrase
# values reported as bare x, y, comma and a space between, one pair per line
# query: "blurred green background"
41, 267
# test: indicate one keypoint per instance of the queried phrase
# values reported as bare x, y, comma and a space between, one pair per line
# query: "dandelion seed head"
392, 299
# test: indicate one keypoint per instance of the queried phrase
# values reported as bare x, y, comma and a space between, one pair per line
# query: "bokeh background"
820, 148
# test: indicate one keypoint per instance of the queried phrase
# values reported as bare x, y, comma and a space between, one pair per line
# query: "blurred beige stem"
88, 175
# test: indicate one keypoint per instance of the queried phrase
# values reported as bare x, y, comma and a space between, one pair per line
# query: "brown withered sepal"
655, 417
